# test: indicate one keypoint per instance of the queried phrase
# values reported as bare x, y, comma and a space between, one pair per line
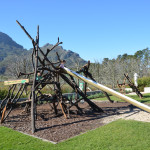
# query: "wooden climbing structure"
130, 84
45, 72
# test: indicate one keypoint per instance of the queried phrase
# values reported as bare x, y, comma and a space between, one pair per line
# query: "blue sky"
95, 29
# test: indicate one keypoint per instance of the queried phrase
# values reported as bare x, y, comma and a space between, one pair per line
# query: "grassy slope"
145, 99
118, 135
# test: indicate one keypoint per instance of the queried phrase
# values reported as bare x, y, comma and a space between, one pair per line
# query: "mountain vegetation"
8, 49
14, 58
72, 59
13, 55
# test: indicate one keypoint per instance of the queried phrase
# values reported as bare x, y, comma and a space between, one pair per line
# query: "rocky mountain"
72, 58
9, 48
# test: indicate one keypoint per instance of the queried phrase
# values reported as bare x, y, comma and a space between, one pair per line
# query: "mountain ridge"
9, 48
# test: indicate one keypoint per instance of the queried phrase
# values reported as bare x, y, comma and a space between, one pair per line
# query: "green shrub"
66, 89
98, 95
3, 93
143, 82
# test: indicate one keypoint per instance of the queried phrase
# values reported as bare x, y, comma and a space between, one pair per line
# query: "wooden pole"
85, 85
75, 87
33, 102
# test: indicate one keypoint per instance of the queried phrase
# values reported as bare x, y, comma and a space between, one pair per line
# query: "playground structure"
50, 74
131, 84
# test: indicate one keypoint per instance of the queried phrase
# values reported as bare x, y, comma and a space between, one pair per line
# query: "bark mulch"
57, 128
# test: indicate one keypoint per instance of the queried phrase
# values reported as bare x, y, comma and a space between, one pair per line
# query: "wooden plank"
16, 81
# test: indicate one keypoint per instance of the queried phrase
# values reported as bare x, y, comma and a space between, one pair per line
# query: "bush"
98, 95
3, 93
66, 89
143, 82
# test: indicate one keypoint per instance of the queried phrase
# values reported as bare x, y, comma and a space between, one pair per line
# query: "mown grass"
145, 99
118, 135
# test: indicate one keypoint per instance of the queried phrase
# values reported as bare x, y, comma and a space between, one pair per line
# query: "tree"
19, 64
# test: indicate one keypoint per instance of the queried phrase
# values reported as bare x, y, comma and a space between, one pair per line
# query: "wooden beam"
22, 81
3, 114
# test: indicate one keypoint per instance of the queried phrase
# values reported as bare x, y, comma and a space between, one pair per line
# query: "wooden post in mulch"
33, 102
76, 88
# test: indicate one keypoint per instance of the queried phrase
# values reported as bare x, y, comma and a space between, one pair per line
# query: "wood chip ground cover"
57, 128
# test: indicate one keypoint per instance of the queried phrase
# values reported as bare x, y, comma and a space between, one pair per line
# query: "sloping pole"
108, 90
33, 102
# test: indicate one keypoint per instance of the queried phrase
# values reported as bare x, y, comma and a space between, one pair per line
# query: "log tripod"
131, 84
50, 74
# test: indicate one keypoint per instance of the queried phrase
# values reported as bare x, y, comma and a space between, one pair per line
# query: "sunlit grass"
118, 135
145, 99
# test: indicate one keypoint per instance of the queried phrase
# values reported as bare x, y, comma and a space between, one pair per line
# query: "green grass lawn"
118, 135
145, 99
